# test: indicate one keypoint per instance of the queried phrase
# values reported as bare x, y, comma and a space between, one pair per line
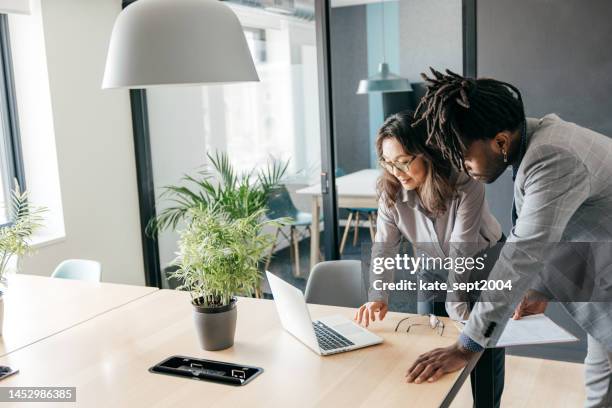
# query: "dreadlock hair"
460, 110
437, 189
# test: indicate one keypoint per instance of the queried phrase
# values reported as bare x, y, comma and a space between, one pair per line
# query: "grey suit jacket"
563, 192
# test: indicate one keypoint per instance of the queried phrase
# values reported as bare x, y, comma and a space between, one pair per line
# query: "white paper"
534, 329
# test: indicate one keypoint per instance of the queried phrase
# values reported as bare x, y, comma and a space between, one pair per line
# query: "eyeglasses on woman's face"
403, 166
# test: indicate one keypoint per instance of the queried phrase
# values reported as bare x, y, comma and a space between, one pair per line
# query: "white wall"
95, 152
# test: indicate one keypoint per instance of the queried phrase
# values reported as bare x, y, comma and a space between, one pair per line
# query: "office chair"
79, 269
280, 205
336, 283
355, 212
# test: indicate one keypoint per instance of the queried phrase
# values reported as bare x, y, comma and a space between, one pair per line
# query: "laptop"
329, 335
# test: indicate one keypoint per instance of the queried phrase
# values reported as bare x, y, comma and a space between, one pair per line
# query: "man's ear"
501, 142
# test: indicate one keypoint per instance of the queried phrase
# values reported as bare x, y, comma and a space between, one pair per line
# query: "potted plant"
15, 236
218, 260
238, 195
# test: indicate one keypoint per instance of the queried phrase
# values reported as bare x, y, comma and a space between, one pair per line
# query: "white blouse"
465, 229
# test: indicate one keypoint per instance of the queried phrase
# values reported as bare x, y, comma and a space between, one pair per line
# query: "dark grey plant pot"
215, 326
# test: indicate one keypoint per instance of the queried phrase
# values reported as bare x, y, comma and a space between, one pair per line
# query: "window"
256, 39
279, 115
276, 117
11, 164
251, 121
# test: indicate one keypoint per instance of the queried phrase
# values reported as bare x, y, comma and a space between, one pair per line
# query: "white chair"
79, 269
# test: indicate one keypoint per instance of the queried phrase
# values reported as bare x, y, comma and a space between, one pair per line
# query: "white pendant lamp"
384, 80
177, 42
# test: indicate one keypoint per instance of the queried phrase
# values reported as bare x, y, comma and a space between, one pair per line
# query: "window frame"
10, 135
144, 179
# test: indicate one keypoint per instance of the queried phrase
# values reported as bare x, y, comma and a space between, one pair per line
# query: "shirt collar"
529, 127
409, 197
532, 124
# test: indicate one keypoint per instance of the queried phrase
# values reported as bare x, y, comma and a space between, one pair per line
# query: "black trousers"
487, 377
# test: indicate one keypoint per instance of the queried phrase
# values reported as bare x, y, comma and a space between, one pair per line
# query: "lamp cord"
382, 4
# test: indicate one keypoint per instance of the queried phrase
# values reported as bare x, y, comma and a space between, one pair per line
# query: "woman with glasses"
423, 200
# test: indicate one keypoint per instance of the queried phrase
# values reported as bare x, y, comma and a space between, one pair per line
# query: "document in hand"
535, 329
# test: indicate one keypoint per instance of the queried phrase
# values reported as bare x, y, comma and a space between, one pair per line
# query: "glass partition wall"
306, 112
275, 120
372, 41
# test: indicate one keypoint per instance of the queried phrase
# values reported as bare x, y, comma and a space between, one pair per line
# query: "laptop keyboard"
328, 338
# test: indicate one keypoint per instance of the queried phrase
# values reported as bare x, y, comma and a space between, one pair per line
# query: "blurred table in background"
354, 190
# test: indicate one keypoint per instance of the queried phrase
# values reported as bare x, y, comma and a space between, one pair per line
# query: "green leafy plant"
14, 237
237, 195
218, 254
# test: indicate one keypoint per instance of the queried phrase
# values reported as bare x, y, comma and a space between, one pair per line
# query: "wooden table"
36, 307
355, 190
107, 359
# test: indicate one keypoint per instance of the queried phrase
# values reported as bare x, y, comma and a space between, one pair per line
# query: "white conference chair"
79, 269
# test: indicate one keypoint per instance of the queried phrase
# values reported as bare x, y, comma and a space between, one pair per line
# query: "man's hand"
434, 364
368, 312
533, 303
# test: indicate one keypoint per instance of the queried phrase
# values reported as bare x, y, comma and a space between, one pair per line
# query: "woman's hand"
368, 311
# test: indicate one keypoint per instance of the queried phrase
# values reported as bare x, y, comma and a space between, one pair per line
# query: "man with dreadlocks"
562, 193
